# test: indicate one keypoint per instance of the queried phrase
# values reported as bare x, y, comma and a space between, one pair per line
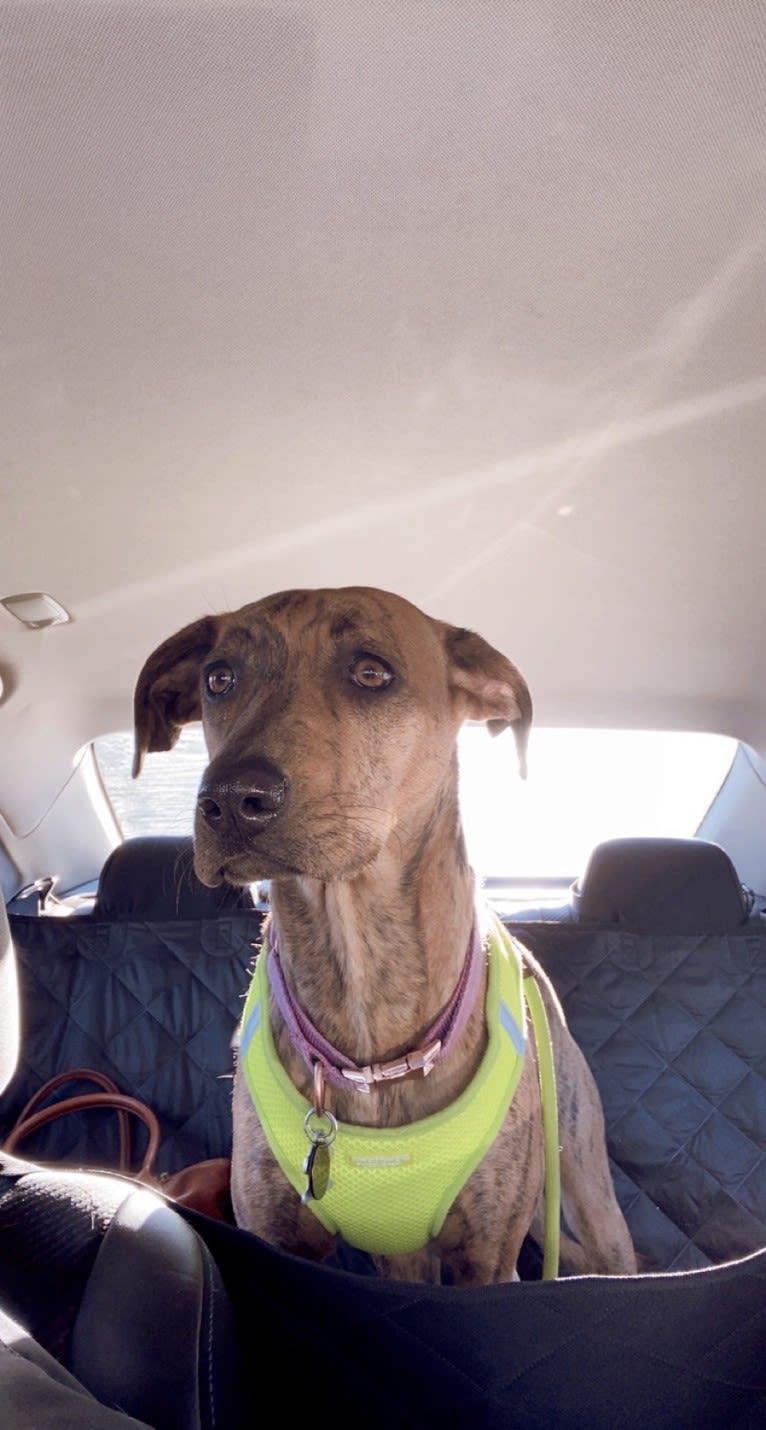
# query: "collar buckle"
420, 1060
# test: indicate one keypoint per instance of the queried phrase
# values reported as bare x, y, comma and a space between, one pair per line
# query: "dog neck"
375, 959
336, 1068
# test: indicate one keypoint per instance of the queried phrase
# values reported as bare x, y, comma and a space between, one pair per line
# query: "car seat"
152, 877
662, 886
662, 976
148, 990
106, 1277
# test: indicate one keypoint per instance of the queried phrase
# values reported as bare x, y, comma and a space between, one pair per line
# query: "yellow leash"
550, 1112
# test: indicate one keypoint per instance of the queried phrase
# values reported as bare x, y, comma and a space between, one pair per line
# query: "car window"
162, 800
583, 786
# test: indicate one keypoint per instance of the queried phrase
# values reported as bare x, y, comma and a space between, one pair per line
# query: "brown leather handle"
29, 1120
204, 1186
101, 1080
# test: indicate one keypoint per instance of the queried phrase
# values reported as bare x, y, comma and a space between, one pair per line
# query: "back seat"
661, 970
148, 989
662, 974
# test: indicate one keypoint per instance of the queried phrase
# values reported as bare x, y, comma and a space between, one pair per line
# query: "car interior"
466, 302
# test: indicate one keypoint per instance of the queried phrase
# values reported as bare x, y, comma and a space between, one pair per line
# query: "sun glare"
583, 786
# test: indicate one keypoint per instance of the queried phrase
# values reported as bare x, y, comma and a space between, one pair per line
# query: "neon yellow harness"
391, 1188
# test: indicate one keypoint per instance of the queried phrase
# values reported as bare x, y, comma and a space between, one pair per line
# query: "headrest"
9, 1003
680, 886
152, 877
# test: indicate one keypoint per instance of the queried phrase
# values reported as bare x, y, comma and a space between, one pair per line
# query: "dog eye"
220, 679
371, 673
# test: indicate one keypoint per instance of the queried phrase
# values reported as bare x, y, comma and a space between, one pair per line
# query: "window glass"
583, 786
163, 798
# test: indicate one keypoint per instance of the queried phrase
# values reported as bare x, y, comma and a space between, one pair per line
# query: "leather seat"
107, 1278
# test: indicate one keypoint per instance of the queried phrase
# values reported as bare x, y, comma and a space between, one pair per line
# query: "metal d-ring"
320, 1135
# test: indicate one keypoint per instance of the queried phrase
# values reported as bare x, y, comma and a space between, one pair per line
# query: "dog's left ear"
167, 693
490, 688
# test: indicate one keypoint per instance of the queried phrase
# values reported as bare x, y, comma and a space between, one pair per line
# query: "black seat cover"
147, 989
108, 1278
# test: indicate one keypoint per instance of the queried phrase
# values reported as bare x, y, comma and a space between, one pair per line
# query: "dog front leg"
484, 1230
263, 1200
603, 1244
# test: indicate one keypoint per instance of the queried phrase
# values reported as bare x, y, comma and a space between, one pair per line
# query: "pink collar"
342, 1071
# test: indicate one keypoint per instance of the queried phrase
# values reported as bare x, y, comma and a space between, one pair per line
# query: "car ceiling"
461, 299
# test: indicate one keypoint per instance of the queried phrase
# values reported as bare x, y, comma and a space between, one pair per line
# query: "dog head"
330, 718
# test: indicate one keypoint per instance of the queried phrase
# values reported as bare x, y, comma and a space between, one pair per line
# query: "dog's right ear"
168, 689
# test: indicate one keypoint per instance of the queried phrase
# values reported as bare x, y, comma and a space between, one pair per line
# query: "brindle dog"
331, 719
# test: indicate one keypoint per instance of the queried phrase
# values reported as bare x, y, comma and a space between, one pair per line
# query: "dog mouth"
326, 860
314, 846
238, 868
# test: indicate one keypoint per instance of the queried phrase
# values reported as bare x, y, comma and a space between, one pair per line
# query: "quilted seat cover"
153, 1005
674, 1028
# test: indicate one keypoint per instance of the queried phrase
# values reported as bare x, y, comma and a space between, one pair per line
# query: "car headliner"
464, 300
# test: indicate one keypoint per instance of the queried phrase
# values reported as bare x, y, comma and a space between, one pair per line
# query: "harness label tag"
378, 1162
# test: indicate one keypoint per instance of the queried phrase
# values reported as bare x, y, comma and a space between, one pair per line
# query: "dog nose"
249, 797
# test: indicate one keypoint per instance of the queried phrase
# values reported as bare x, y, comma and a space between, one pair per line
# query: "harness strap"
549, 1101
